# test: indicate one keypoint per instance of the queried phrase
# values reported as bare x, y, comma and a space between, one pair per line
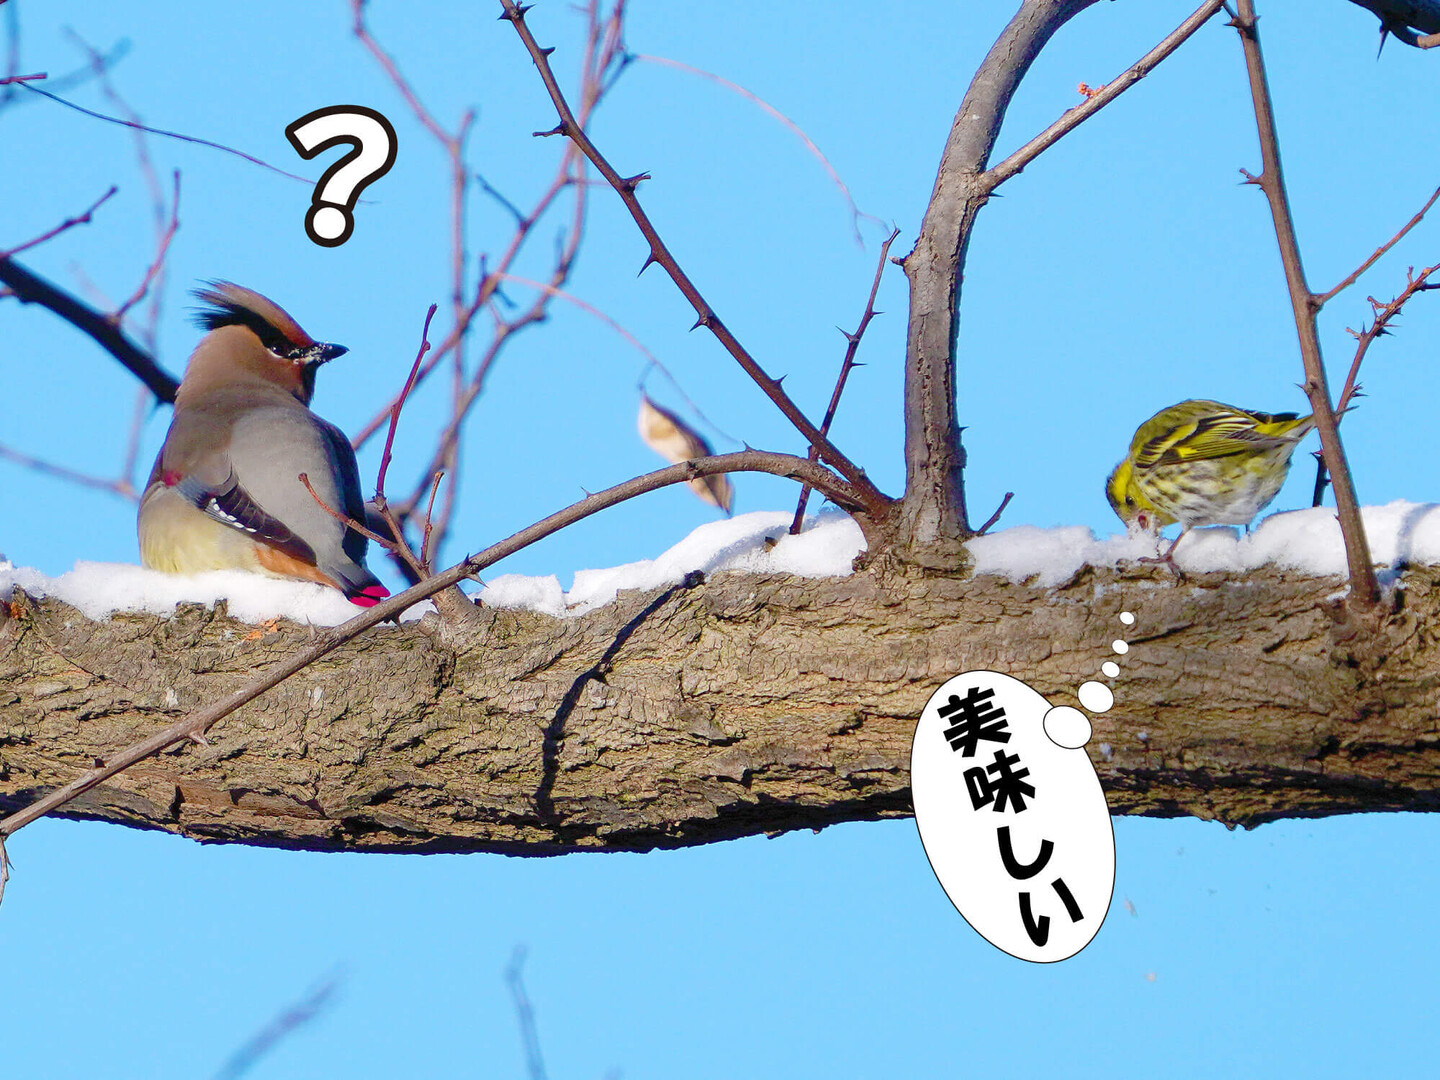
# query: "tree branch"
1244, 699
194, 726
1364, 588
30, 288
852, 346
933, 514
875, 502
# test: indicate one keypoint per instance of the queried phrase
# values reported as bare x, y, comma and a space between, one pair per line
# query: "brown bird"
225, 491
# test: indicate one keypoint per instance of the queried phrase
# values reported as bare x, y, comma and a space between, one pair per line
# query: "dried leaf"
677, 441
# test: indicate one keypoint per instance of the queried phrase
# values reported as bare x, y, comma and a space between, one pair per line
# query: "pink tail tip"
370, 595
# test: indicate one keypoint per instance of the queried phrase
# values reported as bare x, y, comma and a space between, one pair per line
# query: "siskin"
1203, 463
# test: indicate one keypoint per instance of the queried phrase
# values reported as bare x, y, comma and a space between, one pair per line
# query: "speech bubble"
1012, 816
331, 218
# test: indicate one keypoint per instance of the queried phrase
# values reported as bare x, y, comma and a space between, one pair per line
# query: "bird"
225, 492
1203, 463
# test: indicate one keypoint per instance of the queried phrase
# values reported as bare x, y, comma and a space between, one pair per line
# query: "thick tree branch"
933, 514
30, 288
194, 726
742, 705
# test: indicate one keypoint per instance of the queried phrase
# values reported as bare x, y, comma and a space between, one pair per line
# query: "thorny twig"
193, 727
1320, 299
1364, 588
1383, 315
876, 503
851, 347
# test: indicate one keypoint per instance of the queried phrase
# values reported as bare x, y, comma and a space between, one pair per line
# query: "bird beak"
323, 353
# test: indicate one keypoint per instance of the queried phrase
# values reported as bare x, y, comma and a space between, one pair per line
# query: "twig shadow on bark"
555, 730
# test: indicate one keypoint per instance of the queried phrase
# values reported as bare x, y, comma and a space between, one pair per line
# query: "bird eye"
1130, 501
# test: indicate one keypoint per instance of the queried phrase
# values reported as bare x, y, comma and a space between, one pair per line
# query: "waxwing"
225, 492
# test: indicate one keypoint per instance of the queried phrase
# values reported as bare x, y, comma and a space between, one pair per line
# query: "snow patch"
100, 589
1400, 533
825, 547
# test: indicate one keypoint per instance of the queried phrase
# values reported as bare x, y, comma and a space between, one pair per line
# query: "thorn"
858, 363
547, 52
630, 183
650, 261
897, 260
558, 129
1384, 33
1250, 178
199, 739
849, 337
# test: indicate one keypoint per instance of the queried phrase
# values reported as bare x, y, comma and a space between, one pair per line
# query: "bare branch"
659, 253
68, 223
525, 1015
400, 401
1383, 315
168, 134
291, 1018
852, 346
1364, 589
1321, 299
162, 248
993, 518
30, 288
120, 487
1097, 99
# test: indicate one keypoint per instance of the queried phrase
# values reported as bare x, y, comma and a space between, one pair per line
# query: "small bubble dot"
1067, 727
1109, 667
1095, 696
1120, 647
1127, 618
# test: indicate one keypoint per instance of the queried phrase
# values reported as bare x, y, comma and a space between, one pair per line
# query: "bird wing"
230, 504
1216, 434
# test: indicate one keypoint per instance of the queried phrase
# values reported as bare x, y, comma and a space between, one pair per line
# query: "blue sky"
1122, 272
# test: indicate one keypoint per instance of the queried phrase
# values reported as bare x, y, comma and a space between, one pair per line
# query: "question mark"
331, 218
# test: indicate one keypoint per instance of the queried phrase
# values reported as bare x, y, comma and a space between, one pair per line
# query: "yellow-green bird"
1203, 463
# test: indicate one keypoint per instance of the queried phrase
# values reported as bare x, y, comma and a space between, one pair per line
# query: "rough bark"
736, 706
